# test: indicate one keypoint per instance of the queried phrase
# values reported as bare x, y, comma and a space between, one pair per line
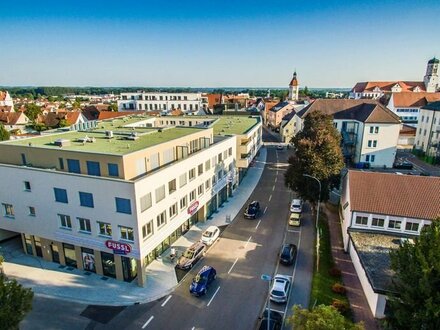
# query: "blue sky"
216, 44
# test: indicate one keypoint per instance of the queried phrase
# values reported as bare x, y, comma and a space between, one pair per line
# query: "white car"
296, 206
210, 235
280, 289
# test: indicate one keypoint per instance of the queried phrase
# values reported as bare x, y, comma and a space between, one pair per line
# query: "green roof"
230, 125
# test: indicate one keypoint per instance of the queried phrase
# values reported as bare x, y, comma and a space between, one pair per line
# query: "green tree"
416, 283
63, 123
4, 134
320, 318
317, 153
76, 105
32, 111
113, 107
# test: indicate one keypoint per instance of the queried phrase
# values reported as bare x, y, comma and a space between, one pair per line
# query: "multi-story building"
6, 99
369, 130
277, 112
150, 101
380, 211
112, 198
428, 131
293, 88
377, 89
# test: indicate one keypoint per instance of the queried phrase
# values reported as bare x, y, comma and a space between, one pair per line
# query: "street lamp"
267, 278
317, 219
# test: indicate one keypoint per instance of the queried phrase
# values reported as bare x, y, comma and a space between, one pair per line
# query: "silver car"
280, 289
191, 255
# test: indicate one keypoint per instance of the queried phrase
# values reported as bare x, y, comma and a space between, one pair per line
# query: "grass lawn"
322, 280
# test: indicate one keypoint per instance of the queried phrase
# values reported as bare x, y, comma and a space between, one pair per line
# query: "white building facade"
428, 130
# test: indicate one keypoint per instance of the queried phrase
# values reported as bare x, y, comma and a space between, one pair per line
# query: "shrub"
339, 288
341, 306
335, 272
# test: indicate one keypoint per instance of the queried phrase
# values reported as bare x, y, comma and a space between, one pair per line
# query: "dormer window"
376, 89
396, 88
417, 89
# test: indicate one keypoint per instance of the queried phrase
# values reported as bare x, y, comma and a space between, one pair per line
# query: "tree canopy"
317, 153
32, 111
415, 303
321, 317
4, 134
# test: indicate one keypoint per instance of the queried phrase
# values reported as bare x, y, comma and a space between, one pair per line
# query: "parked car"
275, 320
403, 165
191, 255
296, 206
210, 235
252, 210
202, 281
288, 254
280, 289
295, 219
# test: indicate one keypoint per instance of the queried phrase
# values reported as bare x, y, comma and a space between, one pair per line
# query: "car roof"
296, 201
281, 278
196, 245
211, 228
204, 269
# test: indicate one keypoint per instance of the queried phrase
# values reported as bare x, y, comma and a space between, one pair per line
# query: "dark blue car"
203, 279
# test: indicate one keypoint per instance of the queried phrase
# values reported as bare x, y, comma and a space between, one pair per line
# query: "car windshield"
199, 278
286, 251
278, 293
208, 234
188, 254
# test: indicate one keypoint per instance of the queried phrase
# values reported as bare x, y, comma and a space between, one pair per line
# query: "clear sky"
207, 43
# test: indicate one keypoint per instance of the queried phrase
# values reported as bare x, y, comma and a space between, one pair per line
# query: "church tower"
293, 88
431, 77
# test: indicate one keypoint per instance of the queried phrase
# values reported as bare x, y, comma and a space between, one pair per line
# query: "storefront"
108, 264
69, 255
88, 259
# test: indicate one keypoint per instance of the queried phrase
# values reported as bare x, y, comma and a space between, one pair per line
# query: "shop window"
104, 229
88, 259
69, 255
126, 233
113, 170
86, 199
60, 195
93, 168
28, 243
108, 264
123, 205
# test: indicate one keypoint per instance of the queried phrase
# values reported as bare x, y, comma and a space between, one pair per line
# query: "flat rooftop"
232, 125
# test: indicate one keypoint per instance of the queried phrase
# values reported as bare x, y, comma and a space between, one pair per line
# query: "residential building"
378, 210
377, 89
14, 120
428, 131
277, 112
407, 137
293, 88
112, 198
6, 100
369, 130
162, 101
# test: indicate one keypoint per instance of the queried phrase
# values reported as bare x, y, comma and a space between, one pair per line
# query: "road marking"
293, 231
193, 328
265, 209
256, 227
248, 241
276, 179
276, 310
232, 266
213, 296
273, 188
270, 197
166, 300
149, 320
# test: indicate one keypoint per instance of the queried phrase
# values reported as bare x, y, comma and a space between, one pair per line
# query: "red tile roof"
3, 95
385, 86
411, 99
10, 118
393, 194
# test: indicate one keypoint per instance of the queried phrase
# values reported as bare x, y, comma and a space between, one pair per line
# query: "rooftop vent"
62, 143
109, 134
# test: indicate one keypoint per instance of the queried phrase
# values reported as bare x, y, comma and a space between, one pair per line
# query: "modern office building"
112, 198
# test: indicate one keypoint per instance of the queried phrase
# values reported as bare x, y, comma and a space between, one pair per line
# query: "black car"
275, 321
252, 210
403, 165
288, 254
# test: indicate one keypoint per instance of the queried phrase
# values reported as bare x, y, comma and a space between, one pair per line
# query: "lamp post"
267, 278
317, 219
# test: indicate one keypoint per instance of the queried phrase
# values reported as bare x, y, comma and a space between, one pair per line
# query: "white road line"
256, 227
293, 231
248, 241
166, 300
193, 328
270, 197
276, 179
209, 303
265, 209
273, 188
149, 320
232, 266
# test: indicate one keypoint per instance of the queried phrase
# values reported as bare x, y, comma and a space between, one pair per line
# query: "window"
146, 202
183, 202
208, 184
161, 219
182, 180
8, 210
363, 221
371, 129
220, 158
230, 151
32, 211
65, 221
394, 224
376, 129
173, 210
86, 199
207, 165
61, 163
23, 159
200, 169
73, 166
372, 158
192, 174
192, 195
60, 195
200, 190
104, 229
369, 143
84, 225
27, 186
160, 193
172, 186
412, 226
377, 222
123, 205
147, 229
93, 168
367, 158
113, 169
374, 143
126, 233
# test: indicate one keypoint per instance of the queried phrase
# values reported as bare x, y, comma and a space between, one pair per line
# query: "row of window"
392, 224
374, 129
370, 158
93, 168
372, 143
407, 110
428, 118
154, 97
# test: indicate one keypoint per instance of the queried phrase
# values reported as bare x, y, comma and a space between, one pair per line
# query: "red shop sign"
118, 247
193, 208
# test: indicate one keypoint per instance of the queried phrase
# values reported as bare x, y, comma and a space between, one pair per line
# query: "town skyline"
253, 45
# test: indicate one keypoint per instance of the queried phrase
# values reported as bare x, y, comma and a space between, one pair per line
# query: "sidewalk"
356, 297
53, 280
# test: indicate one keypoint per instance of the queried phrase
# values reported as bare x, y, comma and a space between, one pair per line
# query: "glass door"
55, 253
